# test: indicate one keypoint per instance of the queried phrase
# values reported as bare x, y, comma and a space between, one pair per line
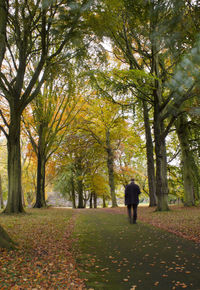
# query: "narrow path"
117, 255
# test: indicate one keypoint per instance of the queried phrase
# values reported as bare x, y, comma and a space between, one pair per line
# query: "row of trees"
31, 50
157, 43
87, 110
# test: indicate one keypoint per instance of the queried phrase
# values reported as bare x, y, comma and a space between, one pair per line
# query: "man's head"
132, 179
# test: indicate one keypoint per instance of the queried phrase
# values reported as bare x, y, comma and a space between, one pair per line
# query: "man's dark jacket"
132, 191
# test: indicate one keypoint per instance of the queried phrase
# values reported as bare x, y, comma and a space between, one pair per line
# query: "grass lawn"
98, 249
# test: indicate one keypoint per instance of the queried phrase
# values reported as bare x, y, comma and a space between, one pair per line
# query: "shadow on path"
118, 255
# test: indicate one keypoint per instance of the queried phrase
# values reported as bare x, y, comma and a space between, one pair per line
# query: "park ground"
98, 249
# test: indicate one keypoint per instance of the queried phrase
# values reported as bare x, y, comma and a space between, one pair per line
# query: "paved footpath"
118, 255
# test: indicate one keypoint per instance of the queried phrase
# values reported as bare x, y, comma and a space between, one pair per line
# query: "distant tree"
52, 111
103, 121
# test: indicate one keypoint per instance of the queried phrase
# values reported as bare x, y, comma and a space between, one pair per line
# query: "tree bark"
161, 166
79, 183
104, 201
80, 194
91, 199
1, 194
40, 194
41, 167
159, 129
95, 199
190, 170
110, 165
73, 192
14, 203
5, 241
150, 158
3, 21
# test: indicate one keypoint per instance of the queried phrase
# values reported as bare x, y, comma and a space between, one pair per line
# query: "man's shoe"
134, 222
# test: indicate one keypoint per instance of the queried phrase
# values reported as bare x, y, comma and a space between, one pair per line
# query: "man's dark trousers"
134, 206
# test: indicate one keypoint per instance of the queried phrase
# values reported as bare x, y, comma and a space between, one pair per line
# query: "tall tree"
30, 46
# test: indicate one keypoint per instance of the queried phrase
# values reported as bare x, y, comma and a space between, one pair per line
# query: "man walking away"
132, 192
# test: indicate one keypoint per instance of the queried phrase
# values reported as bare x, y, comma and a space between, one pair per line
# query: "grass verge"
44, 258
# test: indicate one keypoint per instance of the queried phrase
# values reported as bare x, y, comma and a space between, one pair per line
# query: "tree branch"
4, 119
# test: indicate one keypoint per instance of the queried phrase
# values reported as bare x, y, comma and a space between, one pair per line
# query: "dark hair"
132, 179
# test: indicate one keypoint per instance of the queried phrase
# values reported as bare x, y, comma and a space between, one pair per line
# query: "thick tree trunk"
1, 194
104, 201
5, 240
150, 158
95, 199
80, 195
161, 167
110, 165
190, 170
40, 194
14, 203
159, 132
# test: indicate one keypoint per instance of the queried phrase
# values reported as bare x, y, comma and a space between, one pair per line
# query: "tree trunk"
95, 199
104, 201
40, 194
3, 21
190, 170
161, 167
91, 195
23, 199
110, 165
150, 158
14, 203
73, 192
159, 132
41, 167
1, 194
5, 240
79, 183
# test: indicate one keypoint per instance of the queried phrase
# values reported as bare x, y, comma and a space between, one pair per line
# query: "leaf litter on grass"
44, 258
180, 220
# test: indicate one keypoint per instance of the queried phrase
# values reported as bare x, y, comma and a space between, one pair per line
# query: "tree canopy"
93, 93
